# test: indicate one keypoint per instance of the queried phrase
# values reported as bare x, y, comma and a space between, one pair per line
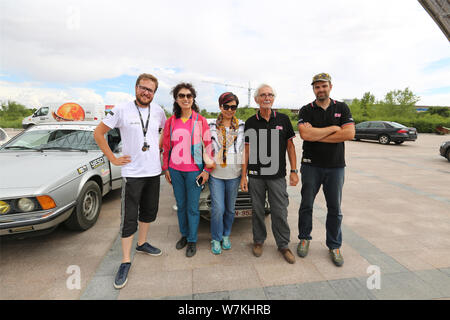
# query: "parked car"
3, 137
243, 205
444, 150
385, 132
54, 173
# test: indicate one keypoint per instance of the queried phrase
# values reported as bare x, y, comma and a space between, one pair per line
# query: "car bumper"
404, 137
243, 206
34, 221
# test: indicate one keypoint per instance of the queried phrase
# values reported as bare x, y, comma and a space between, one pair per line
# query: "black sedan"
385, 132
444, 150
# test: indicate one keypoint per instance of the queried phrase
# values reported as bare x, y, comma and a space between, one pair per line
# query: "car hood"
33, 170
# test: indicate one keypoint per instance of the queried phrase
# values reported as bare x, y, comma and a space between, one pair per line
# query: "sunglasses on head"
182, 96
228, 107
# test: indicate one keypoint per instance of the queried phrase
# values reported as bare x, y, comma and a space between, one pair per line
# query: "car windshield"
54, 139
397, 125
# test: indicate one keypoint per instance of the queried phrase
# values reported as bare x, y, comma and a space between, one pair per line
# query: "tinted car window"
396, 125
362, 125
377, 125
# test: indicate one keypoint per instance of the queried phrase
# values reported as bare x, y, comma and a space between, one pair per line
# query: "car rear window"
397, 125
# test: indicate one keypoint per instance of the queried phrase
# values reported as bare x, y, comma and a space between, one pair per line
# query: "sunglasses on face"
182, 96
228, 107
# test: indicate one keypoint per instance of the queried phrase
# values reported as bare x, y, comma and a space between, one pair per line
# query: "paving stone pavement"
396, 240
397, 282
368, 242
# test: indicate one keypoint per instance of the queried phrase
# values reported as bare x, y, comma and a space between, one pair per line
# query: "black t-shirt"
268, 144
321, 154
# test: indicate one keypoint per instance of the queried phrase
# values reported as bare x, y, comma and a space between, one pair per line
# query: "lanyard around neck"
144, 129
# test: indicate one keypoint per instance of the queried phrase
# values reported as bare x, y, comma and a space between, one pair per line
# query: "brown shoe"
257, 249
287, 254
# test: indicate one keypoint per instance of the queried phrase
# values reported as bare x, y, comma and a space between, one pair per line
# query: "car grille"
243, 201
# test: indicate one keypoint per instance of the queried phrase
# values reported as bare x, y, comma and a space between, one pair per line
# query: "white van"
69, 111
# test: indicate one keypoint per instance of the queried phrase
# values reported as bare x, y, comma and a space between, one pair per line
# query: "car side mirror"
117, 148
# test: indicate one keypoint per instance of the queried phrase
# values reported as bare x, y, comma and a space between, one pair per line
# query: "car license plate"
411, 132
243, 213
21, 229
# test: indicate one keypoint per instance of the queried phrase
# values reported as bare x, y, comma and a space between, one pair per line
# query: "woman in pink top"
187, 161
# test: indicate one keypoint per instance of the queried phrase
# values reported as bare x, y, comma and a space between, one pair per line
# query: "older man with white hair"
268, 135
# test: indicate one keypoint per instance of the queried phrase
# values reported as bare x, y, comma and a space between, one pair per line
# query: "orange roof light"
46, 202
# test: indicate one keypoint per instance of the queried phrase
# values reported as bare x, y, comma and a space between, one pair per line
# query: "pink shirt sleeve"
166, 144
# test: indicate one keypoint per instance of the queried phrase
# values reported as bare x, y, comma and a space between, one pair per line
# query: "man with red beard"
324, 125
139, 122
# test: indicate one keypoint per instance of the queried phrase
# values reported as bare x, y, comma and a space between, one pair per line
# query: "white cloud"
33, 96
374, 46
115, 98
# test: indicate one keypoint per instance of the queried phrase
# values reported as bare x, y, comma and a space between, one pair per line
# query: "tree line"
397, 105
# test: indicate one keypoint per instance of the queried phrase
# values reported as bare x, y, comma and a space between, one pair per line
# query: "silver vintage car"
54, 173
3, 137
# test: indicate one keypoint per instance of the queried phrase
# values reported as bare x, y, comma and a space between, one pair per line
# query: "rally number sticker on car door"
97, 162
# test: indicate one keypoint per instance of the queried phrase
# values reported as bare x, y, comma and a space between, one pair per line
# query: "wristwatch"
294, 171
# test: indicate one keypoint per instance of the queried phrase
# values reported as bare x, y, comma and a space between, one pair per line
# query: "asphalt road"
393, 194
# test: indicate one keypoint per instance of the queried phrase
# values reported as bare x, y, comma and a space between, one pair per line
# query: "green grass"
10, 123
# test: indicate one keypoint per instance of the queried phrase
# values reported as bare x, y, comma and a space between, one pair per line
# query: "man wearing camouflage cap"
324, 125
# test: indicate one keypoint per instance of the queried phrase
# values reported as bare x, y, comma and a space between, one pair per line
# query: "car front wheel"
447, 155
384, 139
88, 207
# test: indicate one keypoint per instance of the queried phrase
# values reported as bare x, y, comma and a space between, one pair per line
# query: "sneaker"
215, 247
181, 243
257, 249
336, 257
122, 275
191, 249
287, 254
226, 243
149, 249
303, 247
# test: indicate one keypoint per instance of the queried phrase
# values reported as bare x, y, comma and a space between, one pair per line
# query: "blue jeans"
332, 180
223, 198
187, 196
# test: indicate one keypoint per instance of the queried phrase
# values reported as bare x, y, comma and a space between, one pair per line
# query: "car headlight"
4, 207
26, 204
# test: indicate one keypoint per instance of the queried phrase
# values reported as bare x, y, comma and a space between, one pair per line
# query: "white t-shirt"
126, 117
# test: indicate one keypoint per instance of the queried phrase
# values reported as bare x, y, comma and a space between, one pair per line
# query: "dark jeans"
332, 180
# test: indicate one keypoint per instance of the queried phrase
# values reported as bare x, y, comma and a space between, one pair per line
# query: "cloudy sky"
92, 51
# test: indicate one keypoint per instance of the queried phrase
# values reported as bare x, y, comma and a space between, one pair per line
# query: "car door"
375, 129
115, 143
42, 115
361, 130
